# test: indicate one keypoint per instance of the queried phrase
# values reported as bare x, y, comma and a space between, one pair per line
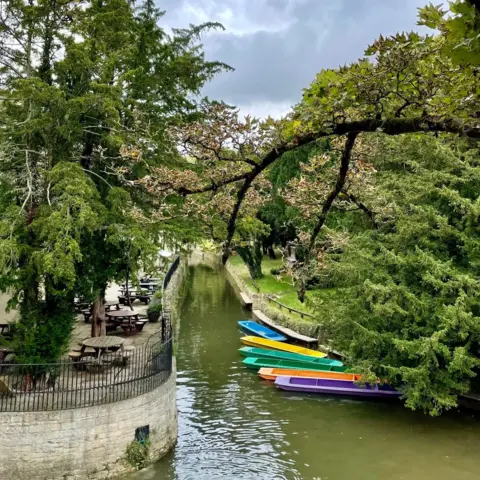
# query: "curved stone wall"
85, 443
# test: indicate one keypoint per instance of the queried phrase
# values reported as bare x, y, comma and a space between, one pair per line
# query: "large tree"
88, 90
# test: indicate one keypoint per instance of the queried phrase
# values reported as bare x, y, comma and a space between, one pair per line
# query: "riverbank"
87, 433
237, 274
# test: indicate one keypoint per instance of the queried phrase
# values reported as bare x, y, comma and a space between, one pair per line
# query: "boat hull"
259, 342
272, 373
261, 331
334, 387
281, 355
257, 363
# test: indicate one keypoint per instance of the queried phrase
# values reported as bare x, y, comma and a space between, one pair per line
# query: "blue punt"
261, 331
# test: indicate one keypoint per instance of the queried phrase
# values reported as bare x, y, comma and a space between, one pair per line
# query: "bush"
137, 454
155, 305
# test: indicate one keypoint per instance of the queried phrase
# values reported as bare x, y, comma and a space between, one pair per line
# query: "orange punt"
273, 373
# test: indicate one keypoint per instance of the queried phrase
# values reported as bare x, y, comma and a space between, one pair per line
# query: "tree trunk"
98, 316
301, 290
252, 256
271, 252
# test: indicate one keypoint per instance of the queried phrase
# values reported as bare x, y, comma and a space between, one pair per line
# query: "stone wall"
85, 443
173, 295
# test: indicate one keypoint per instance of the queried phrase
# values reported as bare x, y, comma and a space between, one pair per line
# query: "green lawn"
281, 286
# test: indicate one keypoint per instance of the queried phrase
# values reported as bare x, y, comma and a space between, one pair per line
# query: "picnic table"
129, 319
100, 344
109, 305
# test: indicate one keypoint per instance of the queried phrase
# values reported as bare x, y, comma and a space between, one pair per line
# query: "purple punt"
335, 387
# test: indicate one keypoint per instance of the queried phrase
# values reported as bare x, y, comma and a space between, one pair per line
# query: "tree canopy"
88, 92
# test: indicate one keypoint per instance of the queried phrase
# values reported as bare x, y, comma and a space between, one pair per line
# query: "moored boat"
335, 387
273, 373
252, 341
261, 331
257, 363
281, 355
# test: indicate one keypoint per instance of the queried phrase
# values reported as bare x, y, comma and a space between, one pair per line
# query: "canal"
234, 426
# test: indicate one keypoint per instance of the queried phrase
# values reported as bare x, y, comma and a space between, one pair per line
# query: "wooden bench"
123, 300
144, 297
284, 330
247, 301
110, 326
75, 357
128, 328
128, 351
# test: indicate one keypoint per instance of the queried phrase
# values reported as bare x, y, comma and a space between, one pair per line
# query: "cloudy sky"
277, 46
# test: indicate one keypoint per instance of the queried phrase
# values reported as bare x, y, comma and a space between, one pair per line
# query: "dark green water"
234, 426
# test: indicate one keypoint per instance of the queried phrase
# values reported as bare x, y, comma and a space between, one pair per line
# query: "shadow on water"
234, 426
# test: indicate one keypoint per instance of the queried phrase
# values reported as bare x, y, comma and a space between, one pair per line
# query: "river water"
232, 425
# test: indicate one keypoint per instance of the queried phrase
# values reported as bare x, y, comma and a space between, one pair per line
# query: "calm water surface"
234, 426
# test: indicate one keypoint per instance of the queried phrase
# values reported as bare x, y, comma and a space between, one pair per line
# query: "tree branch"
361, 206
392, 126
233, 217
339, 184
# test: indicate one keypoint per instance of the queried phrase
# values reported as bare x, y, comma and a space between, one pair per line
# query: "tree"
460, 27
418, 312
89, 90
411, 311
409, 87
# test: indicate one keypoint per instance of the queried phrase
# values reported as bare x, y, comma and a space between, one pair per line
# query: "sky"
277, 46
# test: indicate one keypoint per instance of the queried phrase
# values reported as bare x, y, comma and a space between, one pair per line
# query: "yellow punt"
264, 343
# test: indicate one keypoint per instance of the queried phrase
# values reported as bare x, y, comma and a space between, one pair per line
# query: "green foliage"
155, 304
89, 92
412, 310
136, 454
460, 27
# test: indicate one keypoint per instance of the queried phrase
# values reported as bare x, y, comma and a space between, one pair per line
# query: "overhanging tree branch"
353, 198
392, 126
339, 184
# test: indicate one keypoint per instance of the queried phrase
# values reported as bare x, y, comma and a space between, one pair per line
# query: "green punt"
257, 363
279, 355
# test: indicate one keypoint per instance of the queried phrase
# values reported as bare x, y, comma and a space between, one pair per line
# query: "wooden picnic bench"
291, 334
128, 319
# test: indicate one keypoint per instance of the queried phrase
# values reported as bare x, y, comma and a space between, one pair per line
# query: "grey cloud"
308, 35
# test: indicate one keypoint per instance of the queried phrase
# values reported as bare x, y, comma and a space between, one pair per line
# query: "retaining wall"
311, 329
85, 443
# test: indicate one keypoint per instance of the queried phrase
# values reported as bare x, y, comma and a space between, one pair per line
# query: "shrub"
136, 454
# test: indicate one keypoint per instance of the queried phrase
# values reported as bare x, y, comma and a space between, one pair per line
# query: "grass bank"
280, 286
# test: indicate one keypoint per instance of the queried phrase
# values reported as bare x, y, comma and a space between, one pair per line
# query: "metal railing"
90, 381
171, 270
290, 309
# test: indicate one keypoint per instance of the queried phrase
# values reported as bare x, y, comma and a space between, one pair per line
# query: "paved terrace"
91, 383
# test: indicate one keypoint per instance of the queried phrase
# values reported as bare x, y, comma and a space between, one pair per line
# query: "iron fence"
116, 375
171, 270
